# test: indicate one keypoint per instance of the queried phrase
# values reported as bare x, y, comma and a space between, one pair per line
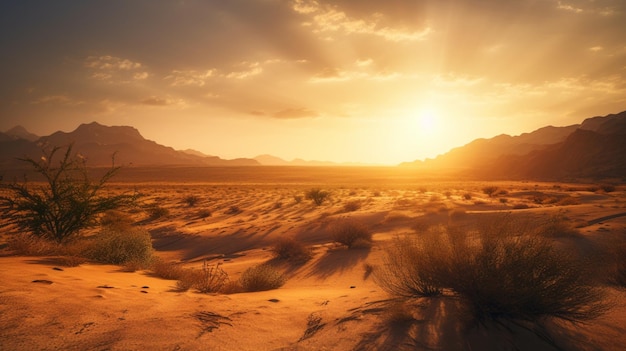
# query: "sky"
344, 80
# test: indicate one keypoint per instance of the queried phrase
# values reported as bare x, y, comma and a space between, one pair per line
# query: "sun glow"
428, 122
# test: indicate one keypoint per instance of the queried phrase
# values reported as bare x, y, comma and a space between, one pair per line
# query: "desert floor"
329, 303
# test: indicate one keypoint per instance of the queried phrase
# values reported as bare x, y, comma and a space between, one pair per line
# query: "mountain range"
595, 148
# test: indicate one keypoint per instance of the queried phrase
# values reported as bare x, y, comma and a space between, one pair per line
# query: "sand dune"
329, 303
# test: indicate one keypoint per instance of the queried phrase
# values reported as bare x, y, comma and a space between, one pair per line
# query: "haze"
359, 81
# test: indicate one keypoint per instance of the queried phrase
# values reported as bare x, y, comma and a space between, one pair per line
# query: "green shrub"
68, 202
498, 271
260, 278
129, 246
349, 232
317, 195
290, 249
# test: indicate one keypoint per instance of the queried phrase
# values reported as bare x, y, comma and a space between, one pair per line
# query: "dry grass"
208, 279
499, 271
350, 233
287, 248
260, 278
132, 247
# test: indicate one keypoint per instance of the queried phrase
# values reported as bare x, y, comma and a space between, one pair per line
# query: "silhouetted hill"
19, 132
596, 148
99, 143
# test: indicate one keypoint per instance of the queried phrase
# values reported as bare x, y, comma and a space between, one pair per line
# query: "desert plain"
331, 301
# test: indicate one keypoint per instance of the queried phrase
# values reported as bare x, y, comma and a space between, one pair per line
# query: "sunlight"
428, 121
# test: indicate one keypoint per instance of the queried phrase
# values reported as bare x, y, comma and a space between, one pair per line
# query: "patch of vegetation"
287, 248
490, 190
351, 206
191, 200
233, 210
167, 270
157, 212
68, 202
131, 247
499, 271
351, 234
318, 196
260, 278
208, 279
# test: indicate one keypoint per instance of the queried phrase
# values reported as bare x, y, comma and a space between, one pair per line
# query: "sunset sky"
345, 80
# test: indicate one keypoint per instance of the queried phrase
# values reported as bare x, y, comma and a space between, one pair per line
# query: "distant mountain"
19, 132
98, 143
195, 152
269, 160
593, 149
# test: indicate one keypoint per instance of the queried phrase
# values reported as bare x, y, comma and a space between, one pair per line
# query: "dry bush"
608, 188
287, 248
233, 210
557, 226
318, 196
156, 212
467, 196
204, 213
490, 190
31, 245
191, 200
167, 270
352, 206
498, 271
116, 219
348, 232
128, 246
260, 278
208, 279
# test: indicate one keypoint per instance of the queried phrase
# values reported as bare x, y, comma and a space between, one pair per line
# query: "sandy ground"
328, 303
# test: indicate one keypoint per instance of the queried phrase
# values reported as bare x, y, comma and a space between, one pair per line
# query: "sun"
427, 121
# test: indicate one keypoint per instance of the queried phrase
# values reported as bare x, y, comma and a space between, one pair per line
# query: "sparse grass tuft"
208, 279
128, 246
260, 278
167, 270
156, 212
352, 206
499, 271
318, 196
349, 232
191, 200
290, 249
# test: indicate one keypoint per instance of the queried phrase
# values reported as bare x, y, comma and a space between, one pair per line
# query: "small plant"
204, 213
607, 188
156, 212
289, 249
115, 246
260, 278
167, 270
211, 278
191, 200
297, 198
349, 233
467, 196
490, 190
317, 195
352, 206
233, 210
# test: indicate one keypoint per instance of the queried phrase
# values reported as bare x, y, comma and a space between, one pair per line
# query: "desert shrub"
129, 246
490, 190
210, 279
318, 196
191, 200
167, 270
557, 225
352, 206
290, 249
68, 202
203, 213
233, 210
467, 196
498, 271
347, 232
504, 200
297, 199
30, 245
155, 211
260, 278
116, 219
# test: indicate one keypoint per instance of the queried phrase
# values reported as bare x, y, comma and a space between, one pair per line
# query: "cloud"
294, 113
251, 69
62, 100
329, 18
113, 69
189, 77
108, 62
162, 102
361, 69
